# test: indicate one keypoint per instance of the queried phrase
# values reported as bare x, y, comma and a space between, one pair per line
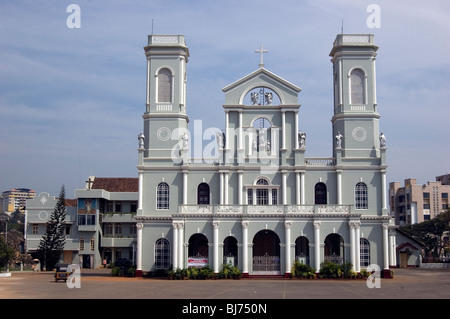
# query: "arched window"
357, 86
361, 196
364, 252
262, 193
162, 254
320, 194
162, 196
203, 194
164, 85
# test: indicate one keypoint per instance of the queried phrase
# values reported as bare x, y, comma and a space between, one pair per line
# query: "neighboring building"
415, 203
16, 199
259, 203
100, 226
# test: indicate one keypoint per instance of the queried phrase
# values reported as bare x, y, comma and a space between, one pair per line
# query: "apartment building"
414, 203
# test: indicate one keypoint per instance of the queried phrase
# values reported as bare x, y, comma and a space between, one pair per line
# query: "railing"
265, 209
318, 161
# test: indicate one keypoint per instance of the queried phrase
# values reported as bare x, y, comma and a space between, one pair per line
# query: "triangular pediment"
286, 91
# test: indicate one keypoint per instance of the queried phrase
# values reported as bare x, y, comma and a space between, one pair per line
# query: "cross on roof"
261, 51
89, 183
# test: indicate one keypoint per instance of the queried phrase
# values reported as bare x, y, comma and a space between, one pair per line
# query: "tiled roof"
116, 184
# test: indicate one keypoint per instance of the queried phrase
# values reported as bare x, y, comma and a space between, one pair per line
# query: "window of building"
262, 193
250, 196
118, 206
162, 254
357, 86
164, 85
320, 194
426, 195
35, 229
117, 229
364, 252
162, 196
133, 229
361, 196
68, 230
81, 243
108, 229
203, 194
444, 195
109, 207
133, 207
92, 244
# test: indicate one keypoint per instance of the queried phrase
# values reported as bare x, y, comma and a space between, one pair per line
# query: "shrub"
300, 270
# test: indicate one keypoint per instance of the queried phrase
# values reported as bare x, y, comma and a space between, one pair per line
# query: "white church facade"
260, 203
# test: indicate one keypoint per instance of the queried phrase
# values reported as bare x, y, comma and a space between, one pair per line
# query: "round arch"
198, 245
230, 251
302, 249
266, 252
334, 248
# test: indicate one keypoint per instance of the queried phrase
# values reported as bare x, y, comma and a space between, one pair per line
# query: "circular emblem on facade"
164, 134
43, 215
359, 134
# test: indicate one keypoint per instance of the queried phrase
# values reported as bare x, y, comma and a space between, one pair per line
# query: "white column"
283, 178
358, 246
283, 128
340, 81
140, 192
240, 185
287, 229
317, 246
383, 189
297, 188
225, 187
240, 145
385, 247
139, 227
302, 182
374, 81
352, 243
221, 188
185, 186
180, 258
227, 138
339, 187
175, 245
296, 130
216, 246
245, 247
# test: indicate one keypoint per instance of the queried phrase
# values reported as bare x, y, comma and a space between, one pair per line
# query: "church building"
258, 202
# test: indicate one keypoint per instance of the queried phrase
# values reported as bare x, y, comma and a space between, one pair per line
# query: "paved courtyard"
245, 298
406, 284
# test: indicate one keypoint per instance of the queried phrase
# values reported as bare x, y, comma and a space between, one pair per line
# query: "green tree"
52, 242
430, 233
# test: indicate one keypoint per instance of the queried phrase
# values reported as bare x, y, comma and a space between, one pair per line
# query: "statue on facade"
339, 137
382, 140
185, 139
141, 139
268, 97
254, 146
254, 97
302, 140
219, 139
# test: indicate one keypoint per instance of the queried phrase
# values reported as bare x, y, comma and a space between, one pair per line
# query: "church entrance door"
266, 253
198, 251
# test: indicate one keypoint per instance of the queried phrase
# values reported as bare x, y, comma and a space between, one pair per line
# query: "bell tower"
165, 118
356, 120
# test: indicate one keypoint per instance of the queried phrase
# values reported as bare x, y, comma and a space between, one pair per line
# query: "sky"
72, 96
